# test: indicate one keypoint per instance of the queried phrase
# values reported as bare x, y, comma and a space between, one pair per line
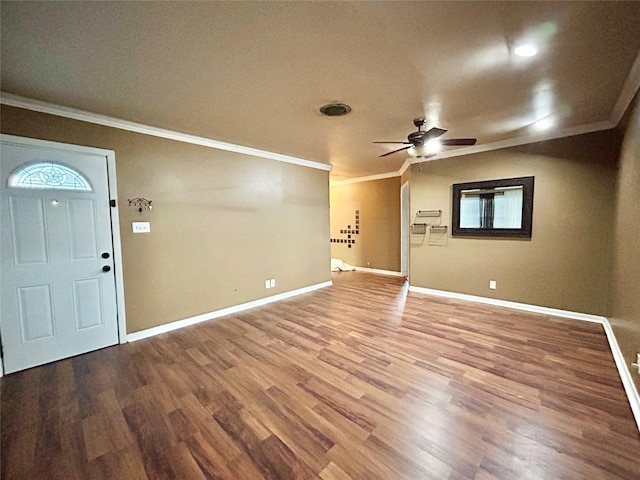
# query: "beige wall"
378, 241
222, 222
566, 264
625, 310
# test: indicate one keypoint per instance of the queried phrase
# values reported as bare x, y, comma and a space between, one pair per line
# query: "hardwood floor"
360, 380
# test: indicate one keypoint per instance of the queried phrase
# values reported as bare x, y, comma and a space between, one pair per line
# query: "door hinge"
112, 203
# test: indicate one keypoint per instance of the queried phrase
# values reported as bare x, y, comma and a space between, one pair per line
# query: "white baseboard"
621, 365
514, 305
378, 271
168, 327
625, 374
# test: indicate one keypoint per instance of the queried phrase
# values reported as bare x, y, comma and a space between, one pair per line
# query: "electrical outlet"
267, 284
493, 284
273, 282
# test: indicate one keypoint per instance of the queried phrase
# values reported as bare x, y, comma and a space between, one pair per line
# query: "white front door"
58, 292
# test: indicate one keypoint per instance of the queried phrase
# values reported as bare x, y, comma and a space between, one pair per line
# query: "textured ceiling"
256, 73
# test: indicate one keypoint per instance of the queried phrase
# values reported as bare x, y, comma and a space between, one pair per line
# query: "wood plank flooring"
360, 380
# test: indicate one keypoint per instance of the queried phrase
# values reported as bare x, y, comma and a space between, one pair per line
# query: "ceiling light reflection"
526, 50
544, 124
432, 111
485, 58
544, 105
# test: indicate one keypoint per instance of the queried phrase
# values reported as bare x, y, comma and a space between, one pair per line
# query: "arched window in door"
49, 175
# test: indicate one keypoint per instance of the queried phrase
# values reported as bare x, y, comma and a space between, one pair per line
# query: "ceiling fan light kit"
526, 50
425, 144
426, 150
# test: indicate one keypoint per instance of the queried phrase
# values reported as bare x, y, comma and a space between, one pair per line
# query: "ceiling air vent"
335, 109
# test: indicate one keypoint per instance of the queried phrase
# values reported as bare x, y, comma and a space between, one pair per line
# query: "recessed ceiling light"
525, 50
335, 109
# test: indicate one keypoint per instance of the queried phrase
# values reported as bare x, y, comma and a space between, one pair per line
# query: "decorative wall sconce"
141, 203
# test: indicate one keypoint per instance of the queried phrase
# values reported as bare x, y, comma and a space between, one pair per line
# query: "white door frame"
110, 156
405, 227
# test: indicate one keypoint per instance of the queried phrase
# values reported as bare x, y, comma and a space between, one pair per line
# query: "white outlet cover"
267, 284
492, 284
141, 227
273, 282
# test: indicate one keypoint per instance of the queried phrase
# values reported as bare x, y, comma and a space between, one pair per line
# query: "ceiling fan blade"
395, 151
458, 141
404, 143
432, 133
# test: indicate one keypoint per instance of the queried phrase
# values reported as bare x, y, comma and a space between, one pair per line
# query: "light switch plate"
141, 227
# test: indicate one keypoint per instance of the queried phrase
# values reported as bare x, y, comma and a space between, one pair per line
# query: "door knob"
106, 268
105, 255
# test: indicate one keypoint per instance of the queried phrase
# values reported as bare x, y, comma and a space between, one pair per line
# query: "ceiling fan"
424, 144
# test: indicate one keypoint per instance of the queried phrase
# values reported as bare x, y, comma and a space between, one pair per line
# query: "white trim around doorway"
405, 228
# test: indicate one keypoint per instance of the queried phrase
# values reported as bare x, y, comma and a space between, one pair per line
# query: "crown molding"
627, 93
518, 141
12, 100
512, 142
629, 89
368, 178
405, 166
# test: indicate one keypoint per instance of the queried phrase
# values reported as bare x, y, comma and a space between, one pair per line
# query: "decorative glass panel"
48, 175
